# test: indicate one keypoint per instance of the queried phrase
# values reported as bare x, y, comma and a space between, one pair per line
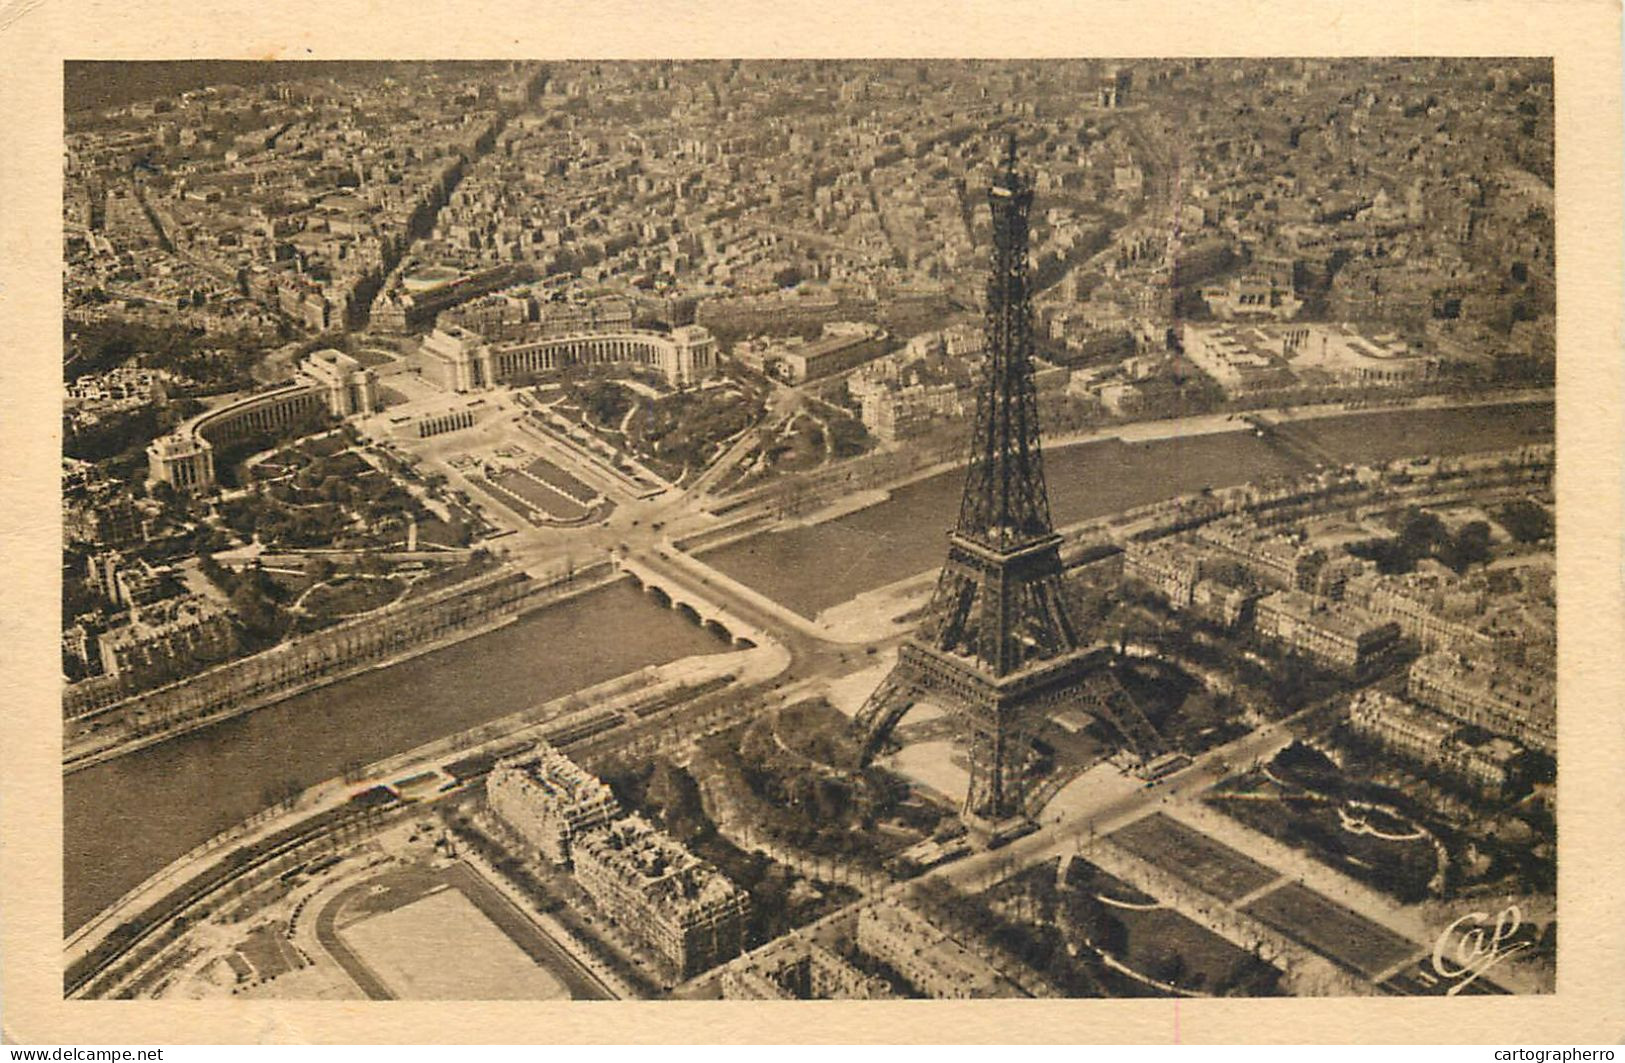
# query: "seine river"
128, 817
812, 568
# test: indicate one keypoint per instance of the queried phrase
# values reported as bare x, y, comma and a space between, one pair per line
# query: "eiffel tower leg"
985, 794
892, 698
994, 797
1103, 697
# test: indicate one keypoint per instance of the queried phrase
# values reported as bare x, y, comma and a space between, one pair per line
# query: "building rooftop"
555, 775
669, 877
1531, 692
1335, 617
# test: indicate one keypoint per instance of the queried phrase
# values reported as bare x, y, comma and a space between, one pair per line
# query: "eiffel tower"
996, 645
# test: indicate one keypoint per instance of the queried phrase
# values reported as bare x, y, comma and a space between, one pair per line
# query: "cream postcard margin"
1582, 36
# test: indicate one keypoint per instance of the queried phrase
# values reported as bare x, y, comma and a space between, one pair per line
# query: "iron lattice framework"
996, 644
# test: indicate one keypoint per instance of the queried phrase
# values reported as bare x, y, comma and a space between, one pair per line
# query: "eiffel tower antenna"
996, 645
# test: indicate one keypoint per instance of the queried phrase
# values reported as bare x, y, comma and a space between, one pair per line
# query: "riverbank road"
335, 793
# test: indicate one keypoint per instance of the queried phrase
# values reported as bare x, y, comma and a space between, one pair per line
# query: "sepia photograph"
779, 530
1035, 529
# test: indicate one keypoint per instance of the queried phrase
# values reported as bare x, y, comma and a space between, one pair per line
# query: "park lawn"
433, 530
326, 446
1191, 855
554, 503
556, 477
268, 950
1155, 937
1083, 875
1336, 932
1400, 868
350, 595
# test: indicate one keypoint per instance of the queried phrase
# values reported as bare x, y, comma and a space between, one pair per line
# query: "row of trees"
217, 363
1421, 534
669, 795
256, 599
684, 430
1038, 946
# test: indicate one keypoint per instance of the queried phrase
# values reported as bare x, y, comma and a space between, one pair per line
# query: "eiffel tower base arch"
1000, 716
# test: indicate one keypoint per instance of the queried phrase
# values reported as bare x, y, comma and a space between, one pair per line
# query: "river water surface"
127, 818
812, 568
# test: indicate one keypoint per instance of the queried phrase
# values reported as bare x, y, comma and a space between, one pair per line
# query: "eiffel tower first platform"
996, 645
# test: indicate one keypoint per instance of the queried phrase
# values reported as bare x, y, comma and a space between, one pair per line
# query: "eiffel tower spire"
996, 644
1005, 502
